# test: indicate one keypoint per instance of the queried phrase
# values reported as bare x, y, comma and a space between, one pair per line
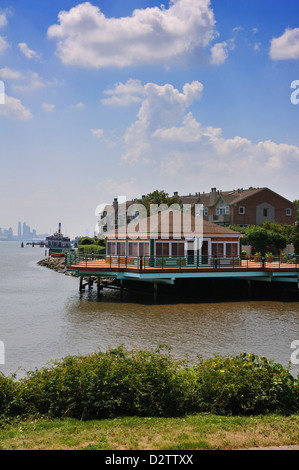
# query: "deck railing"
180, 262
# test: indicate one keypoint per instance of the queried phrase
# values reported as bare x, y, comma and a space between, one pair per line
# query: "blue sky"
109, 98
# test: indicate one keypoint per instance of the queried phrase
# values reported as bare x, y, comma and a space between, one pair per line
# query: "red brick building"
243, 207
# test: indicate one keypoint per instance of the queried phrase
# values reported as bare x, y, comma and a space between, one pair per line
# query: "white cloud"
123, 94
14, 108
169, 137
157, 35
8, 74
49, 108
219, 52
3, 20
161, 107
3, 44
256, 46
29, 53
78, 106
34, 82
98, 133
285, 46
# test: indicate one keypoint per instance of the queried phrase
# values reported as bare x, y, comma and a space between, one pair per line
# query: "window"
217, 249
265, 212
177, 249
205, 211
241, 210
231, 249
121, 248
116, 248
288, 212
222, 210
133, 249
143, 249
162, 249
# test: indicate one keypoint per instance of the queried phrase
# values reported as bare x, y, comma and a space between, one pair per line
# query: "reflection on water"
44, 317
264, 328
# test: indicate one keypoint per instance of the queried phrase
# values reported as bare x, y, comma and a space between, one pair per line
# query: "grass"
192, 432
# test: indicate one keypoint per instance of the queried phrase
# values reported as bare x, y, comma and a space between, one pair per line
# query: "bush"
246, 384
8, 392
151, 383
95, 249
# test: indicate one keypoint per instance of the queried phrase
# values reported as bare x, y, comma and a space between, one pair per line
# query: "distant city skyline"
24, 233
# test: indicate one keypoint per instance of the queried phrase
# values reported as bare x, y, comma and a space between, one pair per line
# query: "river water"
43, 317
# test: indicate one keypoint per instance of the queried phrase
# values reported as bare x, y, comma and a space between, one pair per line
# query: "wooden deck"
245, 266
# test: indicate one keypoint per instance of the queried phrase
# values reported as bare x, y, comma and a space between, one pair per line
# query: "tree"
262, 240
157, 197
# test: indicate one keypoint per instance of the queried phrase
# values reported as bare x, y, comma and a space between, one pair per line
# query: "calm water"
43, 317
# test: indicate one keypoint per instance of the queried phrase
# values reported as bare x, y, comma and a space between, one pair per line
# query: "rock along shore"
58, 265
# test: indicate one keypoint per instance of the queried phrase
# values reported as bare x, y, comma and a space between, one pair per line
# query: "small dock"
156, 270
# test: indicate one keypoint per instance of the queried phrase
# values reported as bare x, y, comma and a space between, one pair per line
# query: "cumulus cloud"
220, 50
14, 108
87, 38
9, 74
124, 94
161, 107
285, 46
28, 53
167, 134
34, 82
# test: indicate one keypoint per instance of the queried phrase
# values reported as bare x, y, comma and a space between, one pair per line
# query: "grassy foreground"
193, 432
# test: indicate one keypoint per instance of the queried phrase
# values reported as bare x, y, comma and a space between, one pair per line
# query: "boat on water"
58, 242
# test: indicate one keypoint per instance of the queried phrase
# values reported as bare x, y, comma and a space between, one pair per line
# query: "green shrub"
95, 249
7, 394
150, 383
246, 384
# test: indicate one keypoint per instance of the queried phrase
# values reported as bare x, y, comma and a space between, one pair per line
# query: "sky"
109, 98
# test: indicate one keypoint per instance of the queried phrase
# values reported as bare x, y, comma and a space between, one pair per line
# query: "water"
43, 317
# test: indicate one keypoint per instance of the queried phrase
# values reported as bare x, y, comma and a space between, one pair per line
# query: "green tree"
262, 239
157, 197
86, 241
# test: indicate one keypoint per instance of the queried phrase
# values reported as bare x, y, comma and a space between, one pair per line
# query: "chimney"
213, 195
176, 193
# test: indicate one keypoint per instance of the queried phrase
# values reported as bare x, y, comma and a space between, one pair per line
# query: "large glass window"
121, 248
162, 249
177, 249
231, 249
143, 249
217, 249
116, 248
133, 249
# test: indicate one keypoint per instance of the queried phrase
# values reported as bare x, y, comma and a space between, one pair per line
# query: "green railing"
181, 262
